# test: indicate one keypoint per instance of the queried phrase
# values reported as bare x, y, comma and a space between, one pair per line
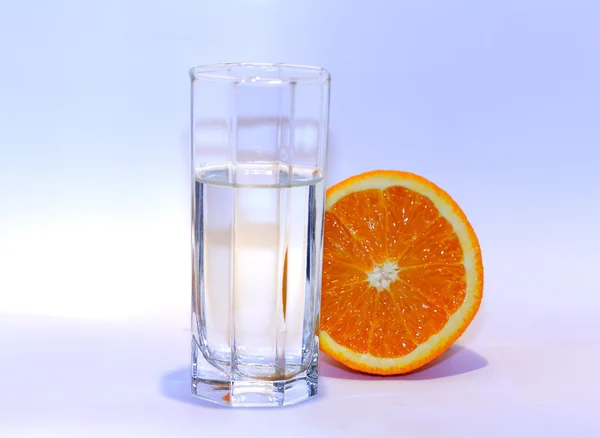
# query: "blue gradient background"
498, 102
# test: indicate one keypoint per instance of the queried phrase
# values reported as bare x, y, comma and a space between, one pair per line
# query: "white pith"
382, 275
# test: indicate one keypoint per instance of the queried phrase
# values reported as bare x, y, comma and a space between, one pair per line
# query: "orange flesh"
368, 228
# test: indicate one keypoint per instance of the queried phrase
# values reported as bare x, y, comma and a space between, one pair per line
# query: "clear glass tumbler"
259, 143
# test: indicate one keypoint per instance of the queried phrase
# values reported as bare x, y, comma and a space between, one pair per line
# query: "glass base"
214, 385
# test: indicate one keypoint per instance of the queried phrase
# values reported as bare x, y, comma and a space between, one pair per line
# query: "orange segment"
367, 230
389, 333
355, 307
402, 272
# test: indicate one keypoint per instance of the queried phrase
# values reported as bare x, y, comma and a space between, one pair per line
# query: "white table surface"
64, 377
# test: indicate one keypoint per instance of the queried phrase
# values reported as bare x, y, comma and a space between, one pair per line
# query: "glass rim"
286, 73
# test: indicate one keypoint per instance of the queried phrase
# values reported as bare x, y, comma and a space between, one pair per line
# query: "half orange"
402, 272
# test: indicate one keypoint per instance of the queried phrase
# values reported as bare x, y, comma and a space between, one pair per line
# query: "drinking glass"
259, 151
